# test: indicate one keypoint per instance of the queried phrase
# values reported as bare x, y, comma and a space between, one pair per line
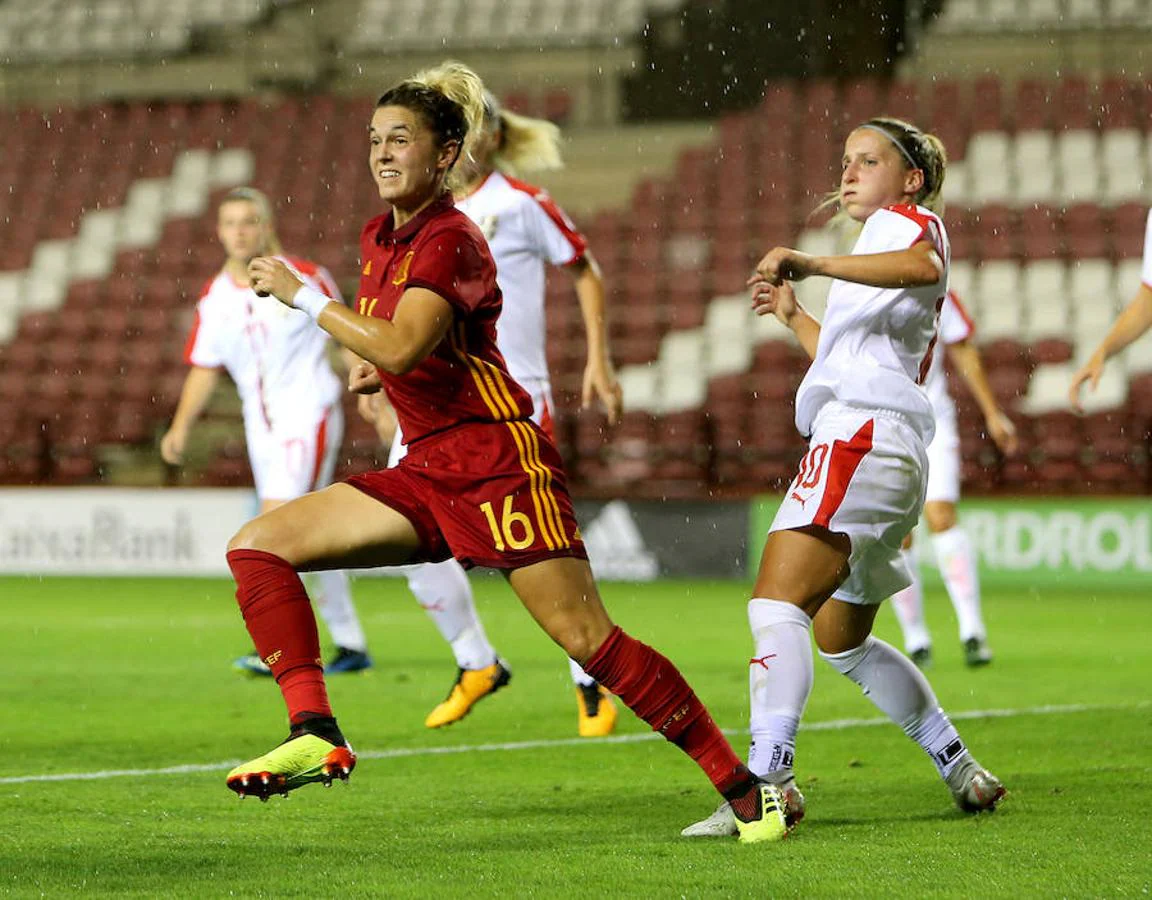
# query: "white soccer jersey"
875, 343
277, 356
1146, 270
525, 229
955, 326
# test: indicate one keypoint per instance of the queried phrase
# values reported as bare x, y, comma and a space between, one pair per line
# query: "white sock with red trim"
446, 595
779, 682
897, 687
909, 607
958, 567
333, 600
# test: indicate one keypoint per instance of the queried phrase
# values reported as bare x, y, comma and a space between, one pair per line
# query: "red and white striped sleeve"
555, 237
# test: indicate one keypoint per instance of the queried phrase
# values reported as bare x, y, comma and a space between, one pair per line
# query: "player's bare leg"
561, 595
445, 593
908, 605
799, 569
957, 562
333, 600
265, 557
891, 681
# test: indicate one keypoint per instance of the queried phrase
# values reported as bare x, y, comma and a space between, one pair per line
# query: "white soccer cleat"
722, 823
975, 789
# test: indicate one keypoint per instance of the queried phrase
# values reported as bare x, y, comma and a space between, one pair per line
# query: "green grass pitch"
106, 675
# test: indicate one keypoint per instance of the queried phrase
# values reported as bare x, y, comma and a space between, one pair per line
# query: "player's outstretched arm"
918, 266
599, 374
967, 360
1130, 325
194, 396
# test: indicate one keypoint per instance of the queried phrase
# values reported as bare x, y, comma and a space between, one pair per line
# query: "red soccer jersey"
464, 379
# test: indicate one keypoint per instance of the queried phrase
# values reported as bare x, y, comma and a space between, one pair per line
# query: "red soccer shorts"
489, 494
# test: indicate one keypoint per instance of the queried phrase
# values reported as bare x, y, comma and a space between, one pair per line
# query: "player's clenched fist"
774, 299
784, 264
269, 276
363, 378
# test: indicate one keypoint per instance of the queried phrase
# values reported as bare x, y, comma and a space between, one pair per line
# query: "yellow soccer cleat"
472, 685
768, 823
300, 760
596, 711
722, 823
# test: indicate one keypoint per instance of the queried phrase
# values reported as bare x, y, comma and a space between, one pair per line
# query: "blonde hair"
450, 98
918, 150
526, 144
263, 209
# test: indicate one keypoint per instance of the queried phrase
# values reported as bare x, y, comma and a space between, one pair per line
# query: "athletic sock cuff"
257, 556
599, 665
764, 612
848, 660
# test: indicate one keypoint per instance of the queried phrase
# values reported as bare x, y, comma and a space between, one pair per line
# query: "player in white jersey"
293, 421
953, 550
832, 554
1130, 325
526, 232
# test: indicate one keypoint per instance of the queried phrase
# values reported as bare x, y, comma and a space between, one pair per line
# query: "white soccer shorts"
863, 476
296, 458
944, 463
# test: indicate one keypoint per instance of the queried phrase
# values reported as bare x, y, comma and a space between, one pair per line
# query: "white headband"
896, 143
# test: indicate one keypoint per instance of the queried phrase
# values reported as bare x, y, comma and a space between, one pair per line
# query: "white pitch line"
829, 725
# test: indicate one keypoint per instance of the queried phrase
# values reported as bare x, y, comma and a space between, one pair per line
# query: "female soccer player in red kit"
481, 482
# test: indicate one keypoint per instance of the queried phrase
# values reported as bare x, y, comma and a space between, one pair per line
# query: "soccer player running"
481, 481
525, 230
1130, 325
950, 542
293, 421
833, 552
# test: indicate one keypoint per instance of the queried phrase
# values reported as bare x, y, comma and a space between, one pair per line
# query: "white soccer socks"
891, 681
958, 567
909, 607
779, 682
444, 592
333, 601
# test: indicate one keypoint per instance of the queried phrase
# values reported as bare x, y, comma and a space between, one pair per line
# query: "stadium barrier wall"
116, 531
184, 531
1032, 541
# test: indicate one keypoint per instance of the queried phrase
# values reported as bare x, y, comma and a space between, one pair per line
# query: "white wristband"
310, 300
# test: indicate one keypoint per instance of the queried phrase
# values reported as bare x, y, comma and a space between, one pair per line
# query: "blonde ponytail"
461, 118
527, 144
937, 158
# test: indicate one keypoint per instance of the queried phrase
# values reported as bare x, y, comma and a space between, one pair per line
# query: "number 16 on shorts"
510, 529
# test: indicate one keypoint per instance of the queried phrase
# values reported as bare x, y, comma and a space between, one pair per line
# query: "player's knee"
580, 640
254, 535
